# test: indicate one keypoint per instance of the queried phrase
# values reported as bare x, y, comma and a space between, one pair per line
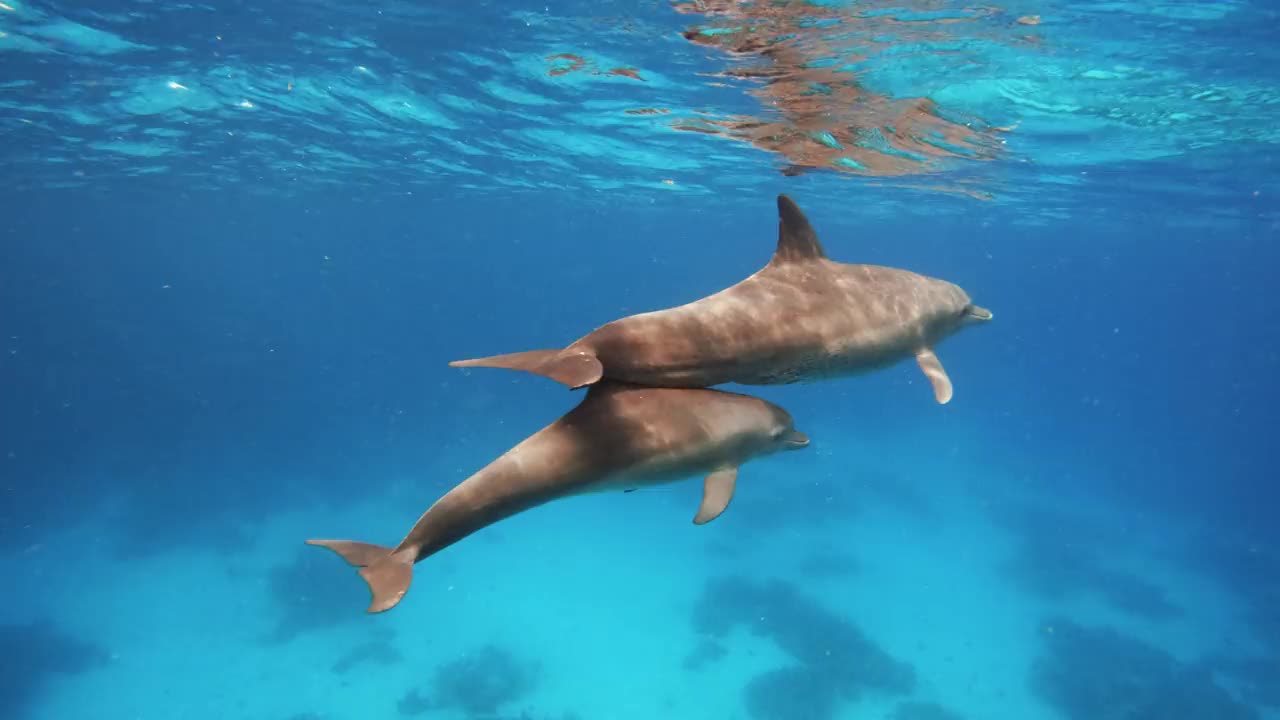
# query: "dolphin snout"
795, 440
975, 312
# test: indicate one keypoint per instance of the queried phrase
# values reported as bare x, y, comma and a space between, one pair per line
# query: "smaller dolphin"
619, 437
800, 318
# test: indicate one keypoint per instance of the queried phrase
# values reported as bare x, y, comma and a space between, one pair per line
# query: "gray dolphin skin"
620, 437
801, 318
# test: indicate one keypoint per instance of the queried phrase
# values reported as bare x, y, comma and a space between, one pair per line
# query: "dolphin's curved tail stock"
575, 368
387, 571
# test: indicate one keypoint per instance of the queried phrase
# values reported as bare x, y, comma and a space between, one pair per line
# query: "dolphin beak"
975, 312
795, 440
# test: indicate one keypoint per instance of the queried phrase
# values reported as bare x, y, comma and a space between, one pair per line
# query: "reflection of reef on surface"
834, 660
479, 684
565, 63
1097, 673
33, 655
821, 116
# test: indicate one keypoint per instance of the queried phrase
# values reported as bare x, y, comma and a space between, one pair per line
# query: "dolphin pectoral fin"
526, 361
932, 368
575, 368
387, 572
717, 491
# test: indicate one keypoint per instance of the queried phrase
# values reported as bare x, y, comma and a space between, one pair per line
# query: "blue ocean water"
242, 241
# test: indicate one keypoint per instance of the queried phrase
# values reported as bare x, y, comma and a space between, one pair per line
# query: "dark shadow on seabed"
834, 662
34, 656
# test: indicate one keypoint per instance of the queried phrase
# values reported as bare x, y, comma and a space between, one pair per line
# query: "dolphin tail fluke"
574, 368
387, 571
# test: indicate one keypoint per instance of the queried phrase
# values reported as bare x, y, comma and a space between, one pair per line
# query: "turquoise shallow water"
241, 243
928, 586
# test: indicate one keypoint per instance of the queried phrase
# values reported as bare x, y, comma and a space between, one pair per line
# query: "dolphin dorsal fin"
797, 242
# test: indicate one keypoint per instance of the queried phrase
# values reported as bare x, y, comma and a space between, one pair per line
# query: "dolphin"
620, 437
801, 318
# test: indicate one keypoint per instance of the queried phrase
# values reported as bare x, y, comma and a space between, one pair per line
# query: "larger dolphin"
619, 437
801, 318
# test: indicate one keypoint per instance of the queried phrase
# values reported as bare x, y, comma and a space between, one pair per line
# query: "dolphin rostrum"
619, 437
801, 318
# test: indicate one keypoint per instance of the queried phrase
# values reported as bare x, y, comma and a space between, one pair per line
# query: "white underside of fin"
932, 367
717, 491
